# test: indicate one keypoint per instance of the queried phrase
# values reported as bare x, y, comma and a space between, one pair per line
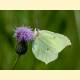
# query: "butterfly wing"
47, 45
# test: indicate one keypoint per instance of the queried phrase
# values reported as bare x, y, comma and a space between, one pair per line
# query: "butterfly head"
36, 33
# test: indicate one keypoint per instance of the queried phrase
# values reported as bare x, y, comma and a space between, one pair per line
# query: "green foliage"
64, 22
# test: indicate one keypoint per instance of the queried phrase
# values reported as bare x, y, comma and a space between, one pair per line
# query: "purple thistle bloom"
23, 34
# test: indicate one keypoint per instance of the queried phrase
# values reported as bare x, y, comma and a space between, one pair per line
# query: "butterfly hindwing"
47, 45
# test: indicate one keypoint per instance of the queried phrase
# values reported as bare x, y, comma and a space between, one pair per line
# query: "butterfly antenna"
37, 24
36, 20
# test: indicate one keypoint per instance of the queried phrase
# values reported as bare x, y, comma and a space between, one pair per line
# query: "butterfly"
47, 45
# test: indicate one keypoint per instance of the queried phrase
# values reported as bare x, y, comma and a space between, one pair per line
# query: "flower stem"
16, 62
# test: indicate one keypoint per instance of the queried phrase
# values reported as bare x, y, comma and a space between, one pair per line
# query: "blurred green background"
64, 22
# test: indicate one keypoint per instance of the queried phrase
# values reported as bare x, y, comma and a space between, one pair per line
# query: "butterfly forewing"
47, 45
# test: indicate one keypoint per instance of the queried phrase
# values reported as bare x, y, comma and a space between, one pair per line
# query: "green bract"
47, 45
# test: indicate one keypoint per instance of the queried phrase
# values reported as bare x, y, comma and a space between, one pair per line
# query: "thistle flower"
23, 34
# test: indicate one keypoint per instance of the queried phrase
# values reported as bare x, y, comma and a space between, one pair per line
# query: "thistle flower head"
23, 34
